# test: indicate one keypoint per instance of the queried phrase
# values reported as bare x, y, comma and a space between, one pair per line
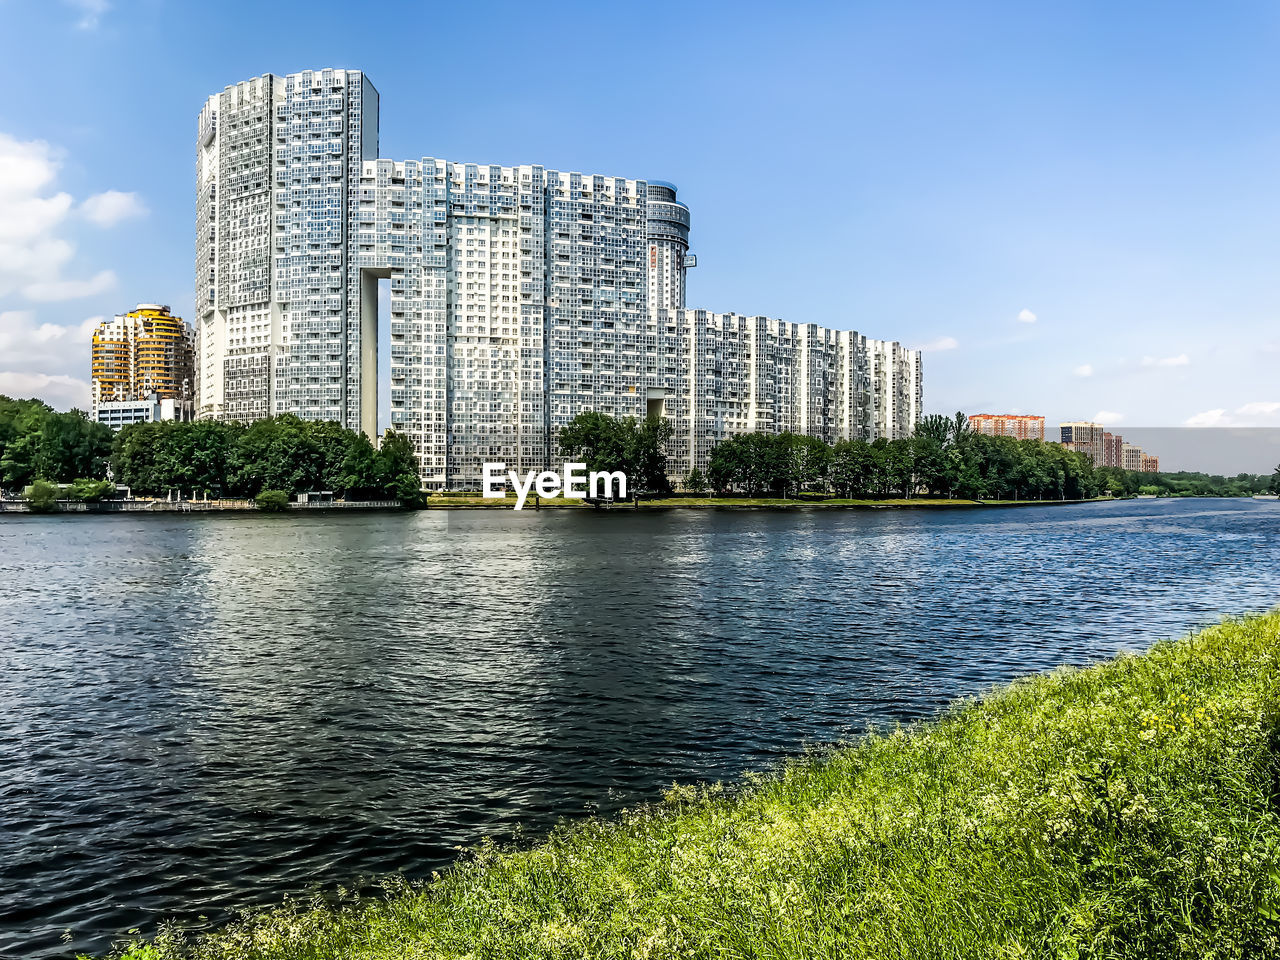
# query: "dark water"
203, 713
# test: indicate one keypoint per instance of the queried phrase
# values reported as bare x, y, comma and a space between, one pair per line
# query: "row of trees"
283, 453
1189, 484
944, 459
292, 455
38, 443
40, 449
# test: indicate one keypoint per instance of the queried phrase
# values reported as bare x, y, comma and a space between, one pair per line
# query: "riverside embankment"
477, 502
189, 506
1127, 810
453, 501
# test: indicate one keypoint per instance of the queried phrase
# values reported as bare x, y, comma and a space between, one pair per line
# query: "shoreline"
465, 503
1081, 808
438, 502
744, 503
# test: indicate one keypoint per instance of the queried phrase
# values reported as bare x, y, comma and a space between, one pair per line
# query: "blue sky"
1071, 207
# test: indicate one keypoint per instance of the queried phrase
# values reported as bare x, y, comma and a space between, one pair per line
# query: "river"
203, 713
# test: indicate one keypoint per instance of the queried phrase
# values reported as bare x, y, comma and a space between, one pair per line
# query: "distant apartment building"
1112, 444
1019, 426
1085, 437
1134, 457
142, 367
1131, 456
1106, 449
519, 297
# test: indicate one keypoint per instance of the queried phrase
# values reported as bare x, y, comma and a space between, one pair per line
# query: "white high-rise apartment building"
519, 297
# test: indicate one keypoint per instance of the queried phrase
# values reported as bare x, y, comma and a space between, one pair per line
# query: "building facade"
1106, 449
1112, 449
122, 413
138, 359
1019, 426
518, 297
1085, 437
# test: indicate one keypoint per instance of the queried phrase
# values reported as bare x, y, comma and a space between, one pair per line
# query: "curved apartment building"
520, 296
140, 354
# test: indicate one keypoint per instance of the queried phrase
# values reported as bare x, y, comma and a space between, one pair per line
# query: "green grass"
1127, 810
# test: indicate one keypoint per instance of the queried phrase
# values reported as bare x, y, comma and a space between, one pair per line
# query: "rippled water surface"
205, 713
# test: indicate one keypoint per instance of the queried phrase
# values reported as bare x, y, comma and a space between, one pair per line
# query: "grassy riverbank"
1127, 810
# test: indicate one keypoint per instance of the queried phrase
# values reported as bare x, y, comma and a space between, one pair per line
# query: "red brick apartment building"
1016, 425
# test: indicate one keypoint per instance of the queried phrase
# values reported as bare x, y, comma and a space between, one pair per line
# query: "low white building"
122, 413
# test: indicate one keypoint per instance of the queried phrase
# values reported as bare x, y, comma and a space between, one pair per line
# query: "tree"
648, 455
695, 482
397, 469
18, 466
361, 474
596, 439
71, 445
1275, 480
899, 466
934, 427
809, 462
726, 467
636, 447
928, 454
852, 468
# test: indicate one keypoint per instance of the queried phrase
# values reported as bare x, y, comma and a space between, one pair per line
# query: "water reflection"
203, 712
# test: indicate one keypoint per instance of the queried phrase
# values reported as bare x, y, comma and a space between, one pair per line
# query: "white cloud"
1107, 416
1257, 413
1026, 316
109, 208
27, 346
1208, 418
90, 12
1259, 408
1084, 370
34, 252
46, 290
25, 168
941, 343
1181, 360
62, 392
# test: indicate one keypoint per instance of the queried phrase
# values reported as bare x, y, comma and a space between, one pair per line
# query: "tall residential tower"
519, 296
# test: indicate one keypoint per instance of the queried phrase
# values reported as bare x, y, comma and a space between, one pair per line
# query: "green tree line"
37, 443
1190, 484
944, 458
221, 459
283, 453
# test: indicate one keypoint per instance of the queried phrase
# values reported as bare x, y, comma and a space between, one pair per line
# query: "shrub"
41, 496
273, 501
91, 491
